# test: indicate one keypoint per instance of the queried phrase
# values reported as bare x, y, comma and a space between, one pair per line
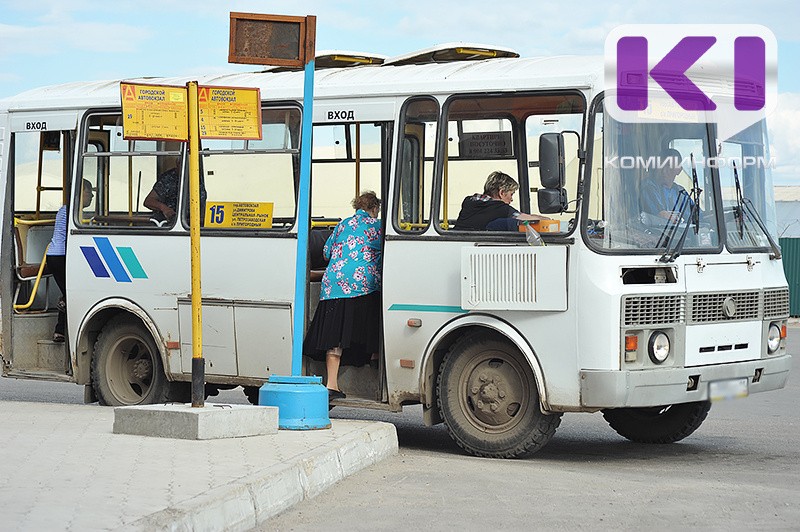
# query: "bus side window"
250, 184
487, 134
122, 173
415, 165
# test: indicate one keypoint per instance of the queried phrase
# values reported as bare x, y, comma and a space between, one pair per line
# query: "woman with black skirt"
345, 328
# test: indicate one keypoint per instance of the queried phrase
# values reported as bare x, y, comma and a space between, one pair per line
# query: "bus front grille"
711, 308
641, 311
776, 303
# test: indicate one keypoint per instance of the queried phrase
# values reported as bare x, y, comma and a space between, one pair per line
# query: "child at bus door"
345, 328
492, 210
56, 258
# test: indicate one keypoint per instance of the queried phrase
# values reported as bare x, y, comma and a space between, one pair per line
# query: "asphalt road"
740, 470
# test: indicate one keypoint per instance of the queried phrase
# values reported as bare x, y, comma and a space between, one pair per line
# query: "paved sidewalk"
62, 468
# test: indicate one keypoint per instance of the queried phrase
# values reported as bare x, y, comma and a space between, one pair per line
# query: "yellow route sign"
239, 215
154, 112
229, 113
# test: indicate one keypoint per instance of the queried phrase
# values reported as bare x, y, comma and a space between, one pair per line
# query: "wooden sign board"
279, 40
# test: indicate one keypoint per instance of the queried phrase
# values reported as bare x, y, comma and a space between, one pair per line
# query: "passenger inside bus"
661, 196
163, 198
492, 210
56, 258
346, 325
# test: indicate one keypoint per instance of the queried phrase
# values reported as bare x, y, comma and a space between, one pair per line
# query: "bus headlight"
658, 347
773, 338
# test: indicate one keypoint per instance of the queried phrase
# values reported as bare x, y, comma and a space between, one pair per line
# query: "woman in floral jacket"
345, 329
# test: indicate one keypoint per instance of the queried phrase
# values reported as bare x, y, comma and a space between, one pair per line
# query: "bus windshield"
651, 187
747, 193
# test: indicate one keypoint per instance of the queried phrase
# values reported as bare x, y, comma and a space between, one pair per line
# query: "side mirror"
552, 201
552, 173
551, 160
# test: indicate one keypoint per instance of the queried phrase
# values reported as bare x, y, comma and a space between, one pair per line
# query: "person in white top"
56, 258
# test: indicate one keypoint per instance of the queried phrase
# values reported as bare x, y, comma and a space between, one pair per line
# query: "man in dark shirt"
163, 198
492, 210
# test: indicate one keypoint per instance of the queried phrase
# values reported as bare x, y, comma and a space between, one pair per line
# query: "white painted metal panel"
219, 349
731, 342
263, 340
47, 120
712, 277
514, 278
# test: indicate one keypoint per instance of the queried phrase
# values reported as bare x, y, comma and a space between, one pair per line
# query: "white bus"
620, 311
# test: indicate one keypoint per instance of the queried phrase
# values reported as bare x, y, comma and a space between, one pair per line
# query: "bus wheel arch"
450, 333
488, 397
114, 327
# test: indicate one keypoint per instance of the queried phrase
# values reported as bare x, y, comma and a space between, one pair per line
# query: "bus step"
364, 403
40, 375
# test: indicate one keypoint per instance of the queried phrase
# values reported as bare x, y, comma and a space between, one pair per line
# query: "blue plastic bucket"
302, 401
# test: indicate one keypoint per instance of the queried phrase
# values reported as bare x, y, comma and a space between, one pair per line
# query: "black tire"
488, 399
658, 424
126, 366
252, 394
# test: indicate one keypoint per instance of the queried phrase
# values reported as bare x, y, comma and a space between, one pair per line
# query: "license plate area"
728, 389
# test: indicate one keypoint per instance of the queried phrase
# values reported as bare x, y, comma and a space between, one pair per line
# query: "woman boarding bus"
645, 319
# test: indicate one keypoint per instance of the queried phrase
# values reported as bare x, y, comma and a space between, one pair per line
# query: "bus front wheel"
126, 367
488, 399
658, 424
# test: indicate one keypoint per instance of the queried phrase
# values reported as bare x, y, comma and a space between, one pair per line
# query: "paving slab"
64, 469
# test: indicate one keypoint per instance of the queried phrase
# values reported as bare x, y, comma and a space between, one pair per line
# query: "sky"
46, 42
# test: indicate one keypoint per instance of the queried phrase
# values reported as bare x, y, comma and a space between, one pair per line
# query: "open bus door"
40, 170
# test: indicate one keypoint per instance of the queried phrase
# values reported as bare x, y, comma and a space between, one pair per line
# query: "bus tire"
658, 424
126, 366
488, 399
252, 394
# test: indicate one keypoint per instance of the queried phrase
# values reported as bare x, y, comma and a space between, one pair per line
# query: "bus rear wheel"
488, 399
126, 367
658, 424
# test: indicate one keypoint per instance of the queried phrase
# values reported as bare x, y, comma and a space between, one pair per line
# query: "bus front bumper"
656, 387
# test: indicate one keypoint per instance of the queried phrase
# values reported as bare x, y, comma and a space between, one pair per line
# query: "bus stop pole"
303, 221
198, 363
303, 207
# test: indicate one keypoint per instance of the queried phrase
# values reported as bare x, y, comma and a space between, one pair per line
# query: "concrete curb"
250, 501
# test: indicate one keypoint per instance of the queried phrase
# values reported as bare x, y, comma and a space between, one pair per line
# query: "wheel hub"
488, 394
141, 369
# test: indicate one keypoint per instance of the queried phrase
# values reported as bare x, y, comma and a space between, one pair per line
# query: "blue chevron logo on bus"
113, 260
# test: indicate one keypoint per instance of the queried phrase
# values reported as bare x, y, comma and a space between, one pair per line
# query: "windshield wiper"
694, 218
744, 205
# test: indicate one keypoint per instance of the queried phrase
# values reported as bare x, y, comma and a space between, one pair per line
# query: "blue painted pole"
303, 220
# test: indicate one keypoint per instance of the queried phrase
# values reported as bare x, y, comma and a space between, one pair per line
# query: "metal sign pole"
303, 220
198, 363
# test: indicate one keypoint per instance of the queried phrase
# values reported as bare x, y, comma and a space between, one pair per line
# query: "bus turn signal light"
631, 343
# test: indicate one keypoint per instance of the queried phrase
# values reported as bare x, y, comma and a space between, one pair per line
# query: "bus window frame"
384, 127
586, 184
518, 128
80, 225
285, 232
396, 195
